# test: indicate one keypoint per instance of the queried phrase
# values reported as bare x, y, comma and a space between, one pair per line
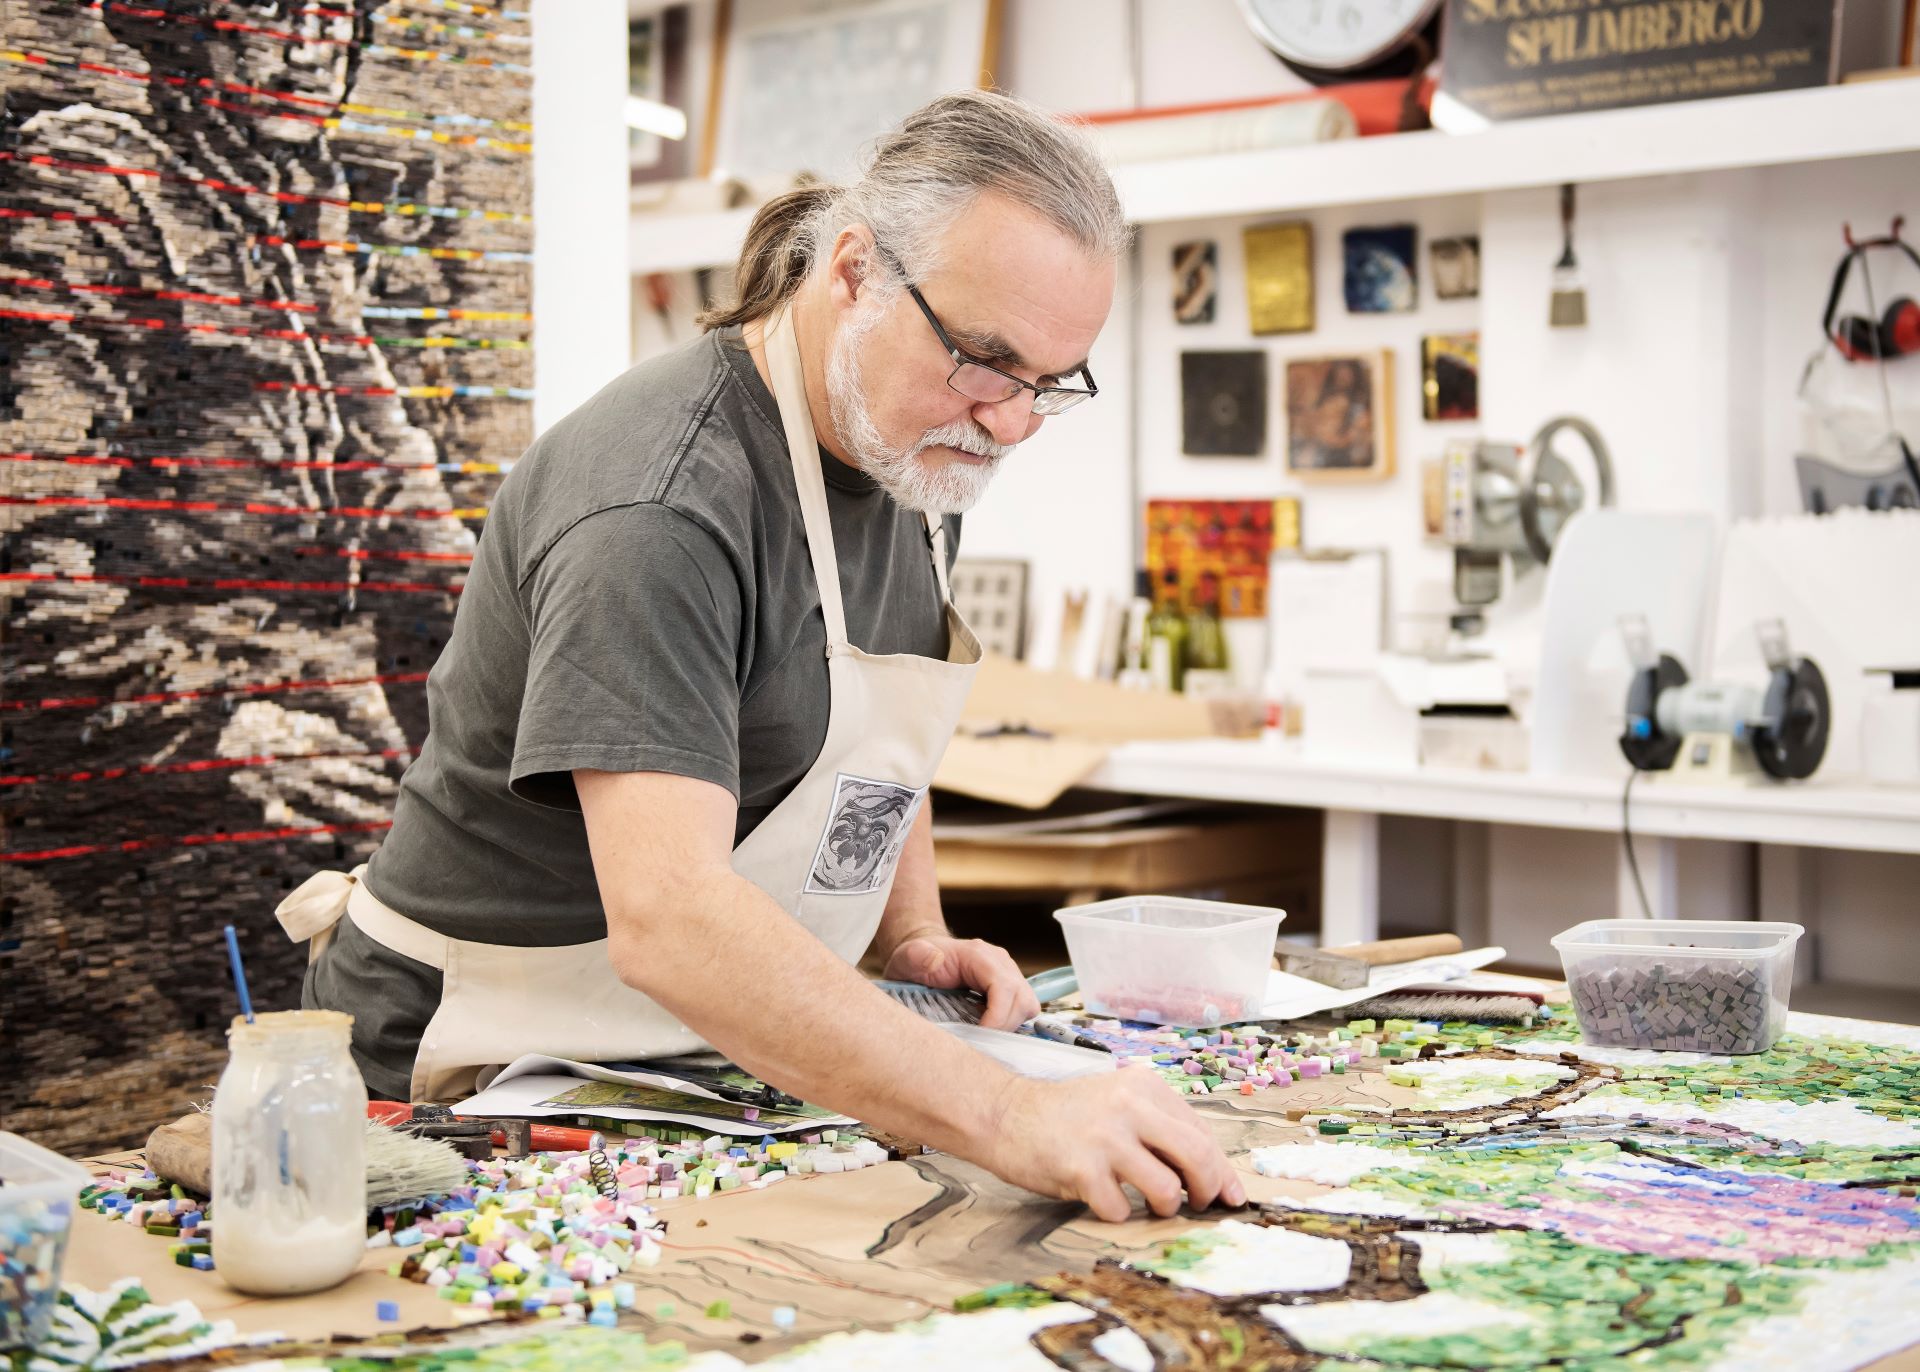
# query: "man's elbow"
652, 933
636, 943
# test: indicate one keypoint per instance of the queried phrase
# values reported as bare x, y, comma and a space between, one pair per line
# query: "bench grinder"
1717, 732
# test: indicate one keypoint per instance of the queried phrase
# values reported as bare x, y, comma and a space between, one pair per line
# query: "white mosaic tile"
1250, 1258
940, 1343
1334, 1328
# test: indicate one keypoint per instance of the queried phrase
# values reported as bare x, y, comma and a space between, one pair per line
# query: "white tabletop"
1813, 813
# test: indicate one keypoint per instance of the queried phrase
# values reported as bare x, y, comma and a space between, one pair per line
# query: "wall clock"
1330, 41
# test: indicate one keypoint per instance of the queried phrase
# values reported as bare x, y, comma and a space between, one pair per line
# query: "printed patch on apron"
866, 829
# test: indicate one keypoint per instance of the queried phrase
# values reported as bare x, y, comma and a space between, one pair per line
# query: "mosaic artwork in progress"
1522, 1202
264, 355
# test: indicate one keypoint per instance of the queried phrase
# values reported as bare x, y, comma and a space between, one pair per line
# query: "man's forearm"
746, 977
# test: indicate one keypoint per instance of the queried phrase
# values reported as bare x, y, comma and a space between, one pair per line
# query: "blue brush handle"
239, 973
1053, 984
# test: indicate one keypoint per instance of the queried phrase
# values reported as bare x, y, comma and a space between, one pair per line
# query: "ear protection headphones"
1896, 333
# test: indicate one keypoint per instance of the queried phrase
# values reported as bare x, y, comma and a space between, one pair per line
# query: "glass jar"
289, 1155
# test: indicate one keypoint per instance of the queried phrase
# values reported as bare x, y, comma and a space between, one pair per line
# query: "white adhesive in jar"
289, 1155
263, 1261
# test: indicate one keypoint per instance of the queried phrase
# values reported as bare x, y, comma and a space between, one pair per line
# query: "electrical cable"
1626, 837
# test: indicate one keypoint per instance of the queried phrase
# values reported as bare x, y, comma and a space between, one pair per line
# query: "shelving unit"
1871, 119
1814, 814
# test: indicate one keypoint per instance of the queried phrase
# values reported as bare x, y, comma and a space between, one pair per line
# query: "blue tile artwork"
1381, 269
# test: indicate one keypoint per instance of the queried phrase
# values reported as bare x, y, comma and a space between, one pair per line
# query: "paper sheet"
538, 1086
1039, 1058
684, 1076
1289, 997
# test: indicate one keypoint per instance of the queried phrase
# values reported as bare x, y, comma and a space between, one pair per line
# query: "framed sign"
1507, 61
804, 85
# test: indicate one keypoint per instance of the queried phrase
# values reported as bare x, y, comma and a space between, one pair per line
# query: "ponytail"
776, 257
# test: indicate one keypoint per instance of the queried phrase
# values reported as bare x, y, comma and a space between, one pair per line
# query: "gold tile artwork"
1280, 277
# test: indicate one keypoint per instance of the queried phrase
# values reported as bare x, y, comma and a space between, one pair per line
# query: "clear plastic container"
38, 1193
1169, 960
289, 1155
1702, 986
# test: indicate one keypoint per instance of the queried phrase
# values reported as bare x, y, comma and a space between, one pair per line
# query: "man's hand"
1081, 1139
950, 963
661, 848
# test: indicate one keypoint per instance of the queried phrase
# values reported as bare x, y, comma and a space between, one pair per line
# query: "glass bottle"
1167, 635
1206, 667
289, 1155
1133, 670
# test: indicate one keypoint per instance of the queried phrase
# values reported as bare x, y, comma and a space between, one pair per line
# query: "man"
704, 670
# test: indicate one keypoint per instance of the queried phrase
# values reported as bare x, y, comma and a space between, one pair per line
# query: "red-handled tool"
516, 1136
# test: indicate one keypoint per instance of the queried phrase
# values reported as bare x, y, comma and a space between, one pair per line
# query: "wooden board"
874, 1247
1161, 857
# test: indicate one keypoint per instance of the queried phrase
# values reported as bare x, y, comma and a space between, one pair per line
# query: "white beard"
950, 488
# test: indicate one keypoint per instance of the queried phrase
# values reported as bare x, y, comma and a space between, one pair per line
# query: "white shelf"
1810, 814
1831, 122
1826, 123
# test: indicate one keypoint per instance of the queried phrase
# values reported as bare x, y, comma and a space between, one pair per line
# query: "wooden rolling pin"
1347, 968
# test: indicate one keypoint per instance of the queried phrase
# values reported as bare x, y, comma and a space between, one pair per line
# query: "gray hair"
918, 179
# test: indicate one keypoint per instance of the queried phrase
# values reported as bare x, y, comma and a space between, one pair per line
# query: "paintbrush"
1569, 306
399, 1166
1476, 1007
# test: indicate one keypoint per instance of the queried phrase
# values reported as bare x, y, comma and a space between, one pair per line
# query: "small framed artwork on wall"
1450, 376
1196, 280
1456, 267
1279, 277
1381, 269
1340, 417
1223, 403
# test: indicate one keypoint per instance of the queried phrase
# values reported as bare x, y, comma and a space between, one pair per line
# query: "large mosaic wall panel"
265, 273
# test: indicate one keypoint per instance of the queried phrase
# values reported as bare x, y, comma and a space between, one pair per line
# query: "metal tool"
966, 1007
1506, 502
1349, 968
1707, 731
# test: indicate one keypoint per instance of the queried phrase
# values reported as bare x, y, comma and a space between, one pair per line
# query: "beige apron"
826, 853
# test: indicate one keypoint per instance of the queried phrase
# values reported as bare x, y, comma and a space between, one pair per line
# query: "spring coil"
600, 1173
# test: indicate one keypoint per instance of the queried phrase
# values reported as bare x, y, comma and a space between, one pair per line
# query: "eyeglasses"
985, 383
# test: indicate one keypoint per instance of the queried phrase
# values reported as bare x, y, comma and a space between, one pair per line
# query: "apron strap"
937, 541
315, 906
790, 391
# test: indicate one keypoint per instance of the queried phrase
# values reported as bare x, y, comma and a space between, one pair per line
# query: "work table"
907, 1239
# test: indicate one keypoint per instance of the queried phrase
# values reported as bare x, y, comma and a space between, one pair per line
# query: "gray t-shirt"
641, 600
